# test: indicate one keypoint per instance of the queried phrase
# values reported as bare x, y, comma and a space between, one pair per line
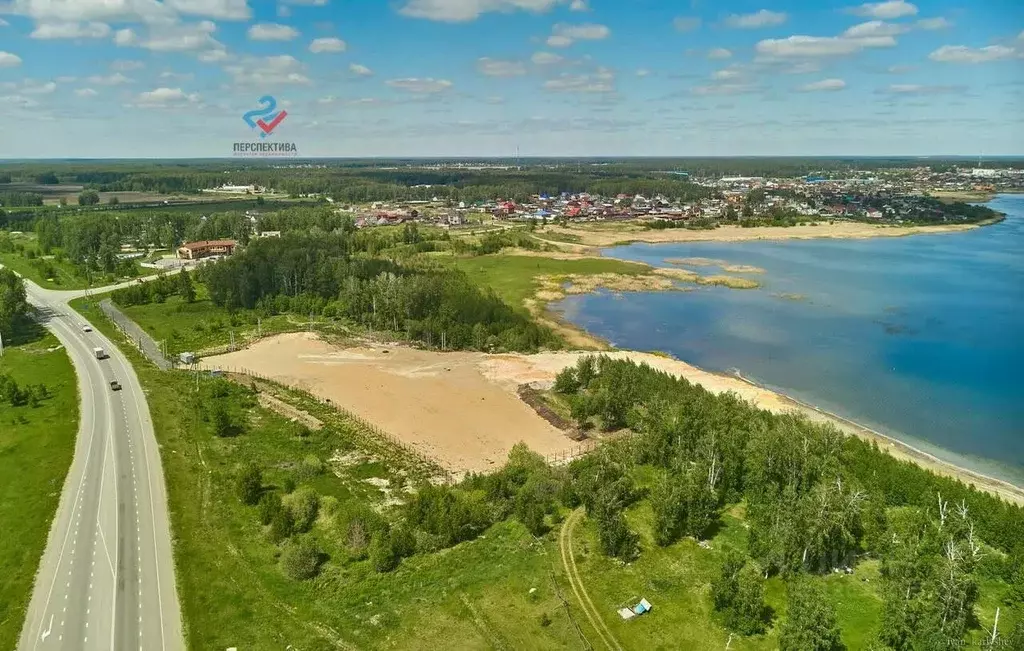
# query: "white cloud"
818, 46
874, 29
125, 37
166, 98
719, 53
320, 45
213, 56
724, 89
49, 31
885, 10
934, 23
964, 54
459, 11
359, 70
86, 92
763, 18
31, 87
18, 100
918, 89
497, 68
546, 58
601, 81
899, 70
180, 37
115, 79
73, 11
802, 68
643, 72
565, 35
176, 76
726, 74
282, 69
8, 60
126, 65
272, 32
65, 79
307, 3
823, 85
686, 23
579, 5
4, 23
220, 9
425, 85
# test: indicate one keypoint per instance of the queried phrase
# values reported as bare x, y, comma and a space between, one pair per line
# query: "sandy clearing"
441, 404
461, 408
730, 233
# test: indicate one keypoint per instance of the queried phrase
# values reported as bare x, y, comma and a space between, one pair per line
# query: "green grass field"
513, 277
36, 446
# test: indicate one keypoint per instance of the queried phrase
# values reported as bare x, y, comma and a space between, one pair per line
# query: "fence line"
147, 346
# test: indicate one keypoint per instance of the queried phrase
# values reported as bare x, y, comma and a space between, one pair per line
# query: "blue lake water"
920, 337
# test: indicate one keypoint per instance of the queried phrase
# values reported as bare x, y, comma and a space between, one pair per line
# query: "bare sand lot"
461, 408
601, 237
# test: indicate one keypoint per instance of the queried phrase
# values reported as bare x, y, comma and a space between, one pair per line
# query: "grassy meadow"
36, 447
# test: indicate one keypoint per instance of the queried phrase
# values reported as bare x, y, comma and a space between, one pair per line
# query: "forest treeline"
337, 276
815, 500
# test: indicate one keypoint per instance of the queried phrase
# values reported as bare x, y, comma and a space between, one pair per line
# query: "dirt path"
573, 574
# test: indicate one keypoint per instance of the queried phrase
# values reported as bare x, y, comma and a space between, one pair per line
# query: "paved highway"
106, 580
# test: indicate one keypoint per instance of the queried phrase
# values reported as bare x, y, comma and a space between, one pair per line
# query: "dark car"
115, 385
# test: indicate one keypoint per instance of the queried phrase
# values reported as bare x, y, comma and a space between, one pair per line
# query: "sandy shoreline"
604, 236
461, 408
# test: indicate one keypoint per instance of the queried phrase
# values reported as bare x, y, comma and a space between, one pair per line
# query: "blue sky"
172, 78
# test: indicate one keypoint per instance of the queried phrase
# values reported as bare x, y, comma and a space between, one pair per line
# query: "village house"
205, 249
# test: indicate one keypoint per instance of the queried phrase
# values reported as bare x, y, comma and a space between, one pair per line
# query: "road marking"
153, 515
84, 463
109, 562
46, 633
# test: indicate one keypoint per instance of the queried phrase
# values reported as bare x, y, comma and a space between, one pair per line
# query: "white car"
86, 328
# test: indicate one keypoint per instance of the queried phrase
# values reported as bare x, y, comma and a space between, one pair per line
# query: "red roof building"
206, 248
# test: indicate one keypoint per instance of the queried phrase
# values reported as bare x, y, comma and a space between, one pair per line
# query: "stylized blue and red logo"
269, 111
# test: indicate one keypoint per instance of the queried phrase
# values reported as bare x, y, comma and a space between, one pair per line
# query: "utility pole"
232, 345
1, 344
259, 327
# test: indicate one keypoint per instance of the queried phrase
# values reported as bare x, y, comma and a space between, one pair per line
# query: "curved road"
106, 580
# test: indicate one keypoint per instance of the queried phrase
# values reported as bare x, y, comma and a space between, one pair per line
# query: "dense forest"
335, 275
465, 180
815, 501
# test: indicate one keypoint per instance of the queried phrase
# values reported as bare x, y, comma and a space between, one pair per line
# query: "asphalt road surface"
106, 579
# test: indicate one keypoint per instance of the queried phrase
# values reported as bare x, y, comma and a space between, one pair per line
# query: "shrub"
383, 554
282, 525
300, 559
250, 484
270, 504
304, 505
309, 468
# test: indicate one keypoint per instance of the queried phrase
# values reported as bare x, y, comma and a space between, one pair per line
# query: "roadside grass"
36, 447
200, 325
514, 277
475, 595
